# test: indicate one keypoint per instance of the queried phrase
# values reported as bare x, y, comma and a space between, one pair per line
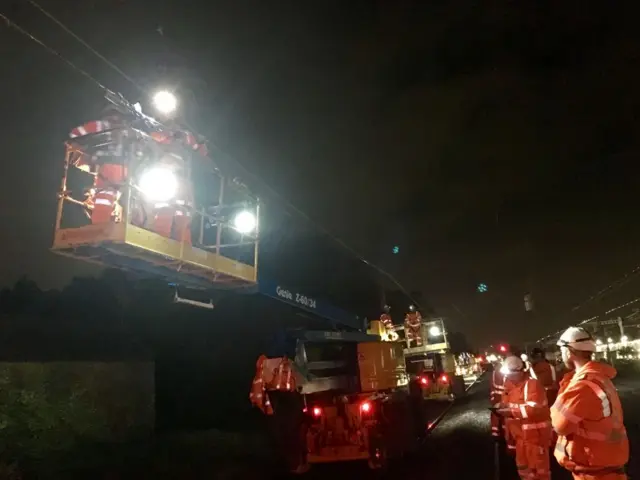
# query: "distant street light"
598, 342
165, 102
624, 338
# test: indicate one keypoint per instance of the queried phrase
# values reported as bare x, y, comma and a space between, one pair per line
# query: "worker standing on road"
545, 372
587, 415
498, 430
524, 403
275, 392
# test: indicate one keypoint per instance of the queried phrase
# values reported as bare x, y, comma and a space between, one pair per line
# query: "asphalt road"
459, 447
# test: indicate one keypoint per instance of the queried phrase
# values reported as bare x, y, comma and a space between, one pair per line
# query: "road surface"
459, 447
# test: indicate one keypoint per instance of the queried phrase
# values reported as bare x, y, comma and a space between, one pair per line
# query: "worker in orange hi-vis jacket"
275, 392
587, 415
387, 323
524, 403
546, 373
412, 324
499, 431
109, 173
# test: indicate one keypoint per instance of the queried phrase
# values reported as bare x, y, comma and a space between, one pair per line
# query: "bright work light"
158, 184
165, 102
244, 222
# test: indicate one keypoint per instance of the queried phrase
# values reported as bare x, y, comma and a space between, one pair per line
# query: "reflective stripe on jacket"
271, 374
548, 376
497, 387
530, 410
258, 395
588, 419
88, 128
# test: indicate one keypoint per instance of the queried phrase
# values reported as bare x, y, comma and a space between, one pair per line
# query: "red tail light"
424, 381
366, 407
317, 412
444, 378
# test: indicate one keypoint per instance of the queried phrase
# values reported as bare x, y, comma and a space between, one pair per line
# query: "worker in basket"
412, 324
275, 392
587, 415
524, 404
172, 219
106, 165
387, 323
168, 193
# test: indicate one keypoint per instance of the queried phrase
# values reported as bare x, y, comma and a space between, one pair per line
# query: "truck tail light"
444, 378
424, 381
366, 407
317, 412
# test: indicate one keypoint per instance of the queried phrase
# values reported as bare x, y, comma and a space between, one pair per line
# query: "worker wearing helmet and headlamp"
499, 432
587, 415
524, 405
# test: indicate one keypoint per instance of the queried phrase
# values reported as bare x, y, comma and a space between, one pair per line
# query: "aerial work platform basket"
170, 212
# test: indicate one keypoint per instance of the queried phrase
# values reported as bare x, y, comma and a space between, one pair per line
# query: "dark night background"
495, 142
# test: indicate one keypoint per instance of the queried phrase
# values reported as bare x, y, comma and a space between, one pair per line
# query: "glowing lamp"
165, 102
435, 331
244, 222
158, 184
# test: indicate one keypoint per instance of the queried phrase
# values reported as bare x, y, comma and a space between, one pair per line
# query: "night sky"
494, 142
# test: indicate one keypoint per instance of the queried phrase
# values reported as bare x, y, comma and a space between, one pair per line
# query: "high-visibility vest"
95, 126
548, 376
161, 137
412, 322
258, 395
588, 418
385, 318
110, 175
497, 387
283, 379
530, 411
104, 205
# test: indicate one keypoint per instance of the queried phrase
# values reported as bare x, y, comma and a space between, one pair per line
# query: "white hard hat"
578, 339
512, 364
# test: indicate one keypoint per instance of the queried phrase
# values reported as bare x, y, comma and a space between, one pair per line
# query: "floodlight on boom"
165, 102
245, 222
